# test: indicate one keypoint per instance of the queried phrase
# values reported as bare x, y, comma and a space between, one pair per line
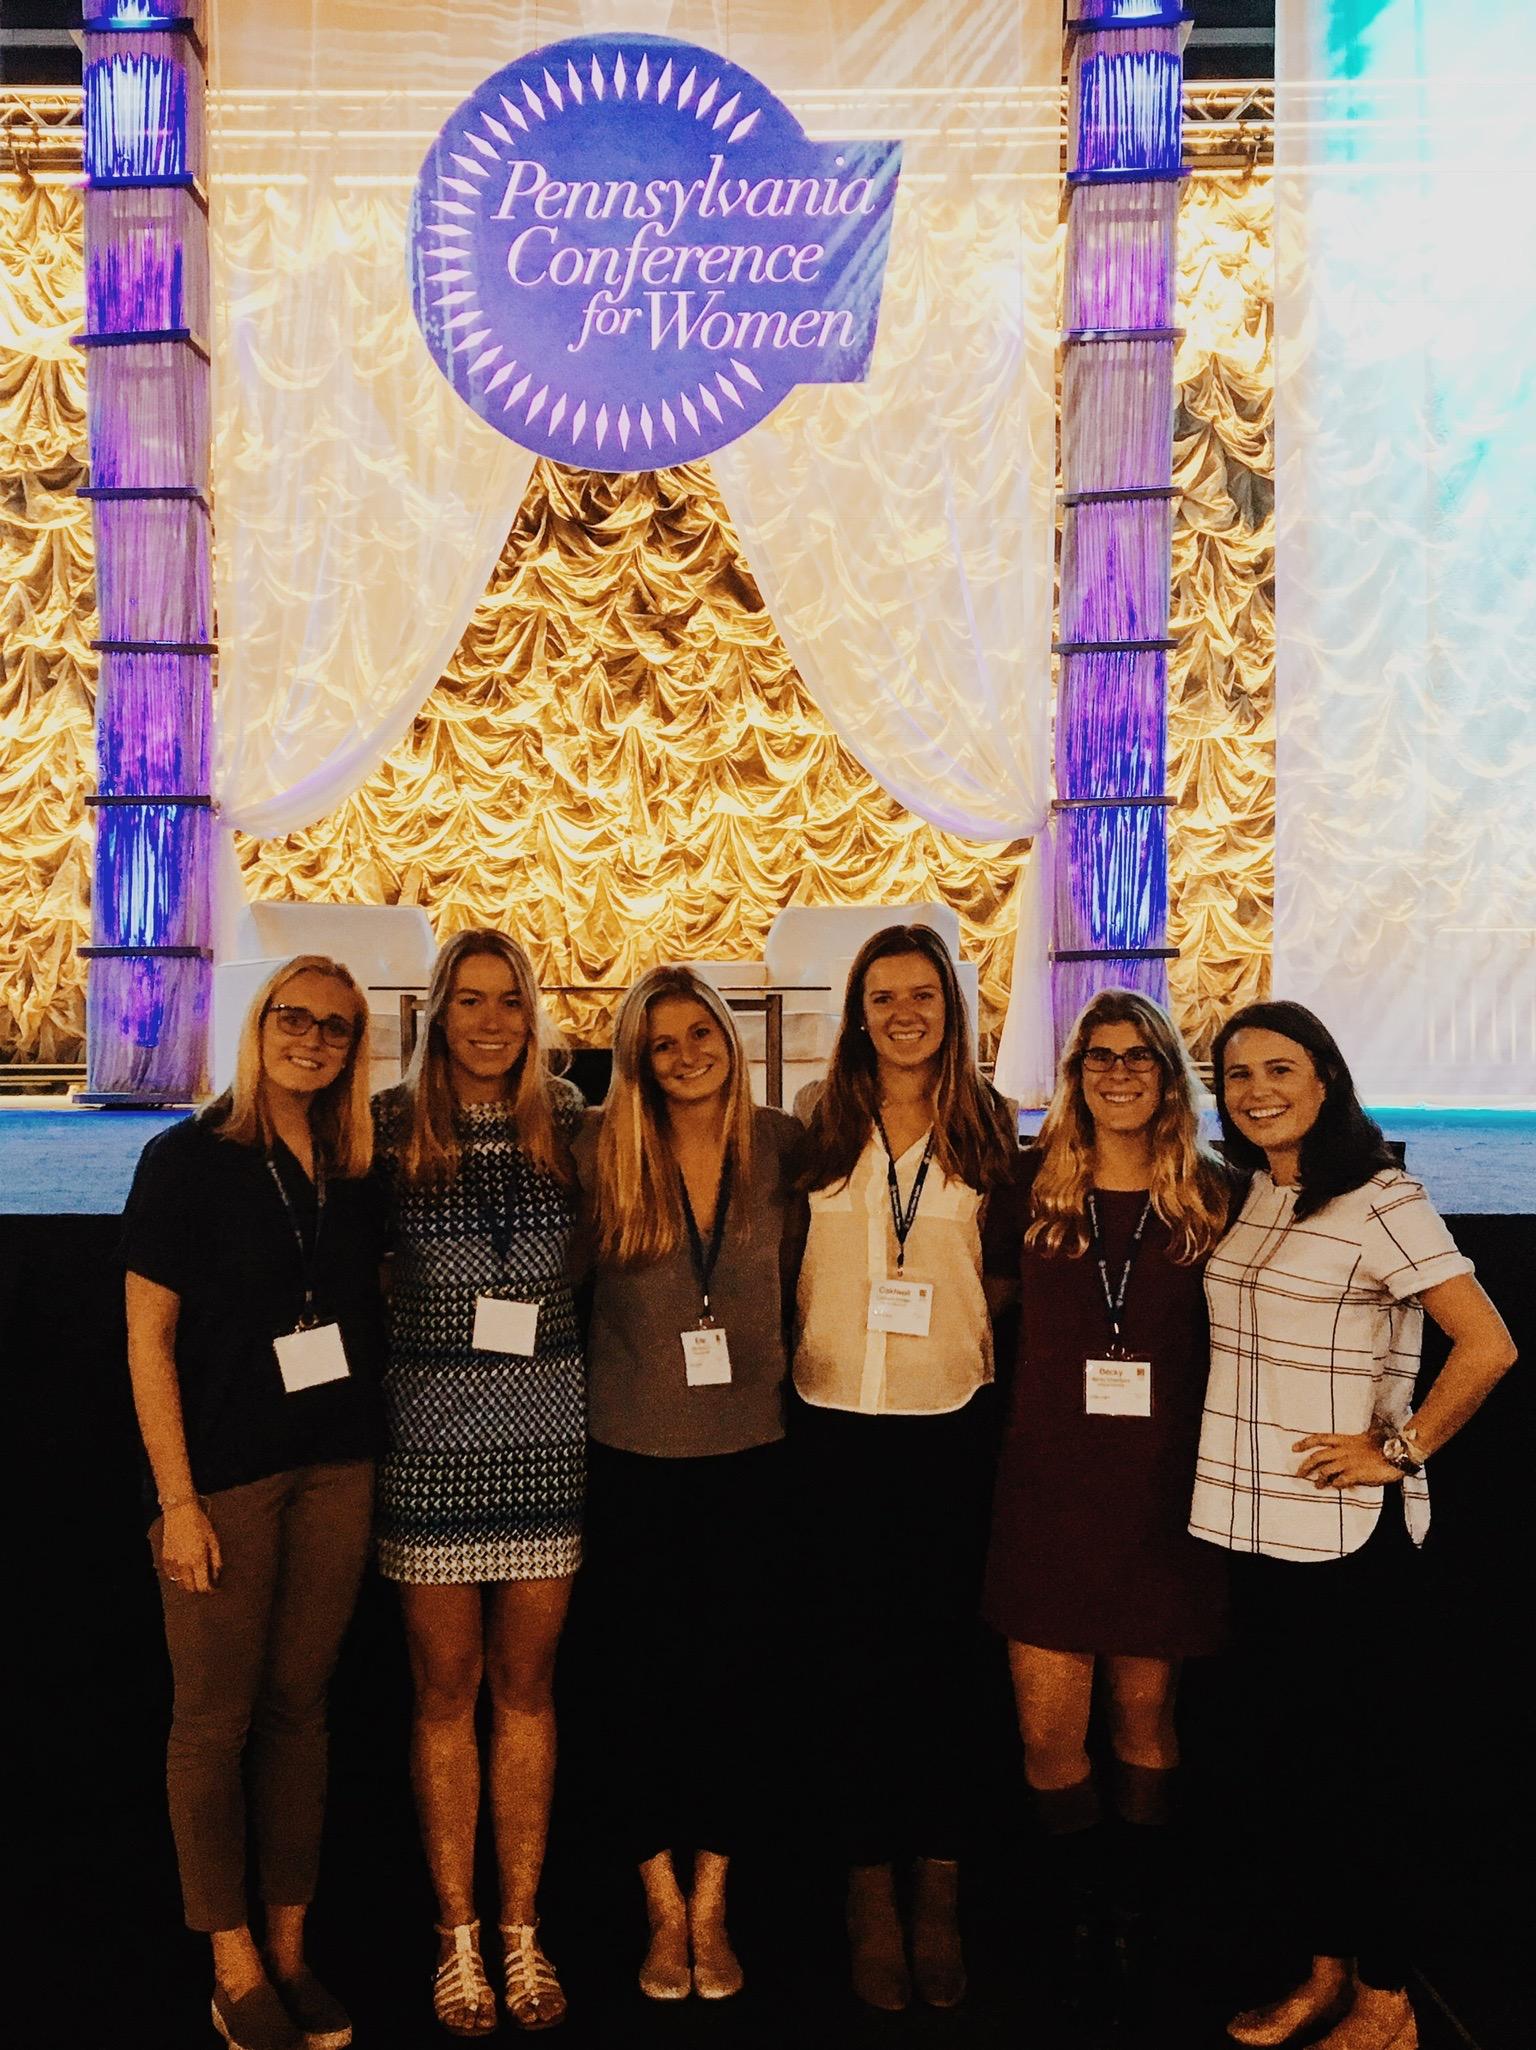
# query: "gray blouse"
639, 1399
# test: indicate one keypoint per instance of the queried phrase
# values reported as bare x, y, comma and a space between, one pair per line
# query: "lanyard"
704, 1263
307, 1252
494, 1221
902, 1219
1114, 1300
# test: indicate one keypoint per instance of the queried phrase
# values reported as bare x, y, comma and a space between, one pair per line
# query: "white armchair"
388, 947
809, 951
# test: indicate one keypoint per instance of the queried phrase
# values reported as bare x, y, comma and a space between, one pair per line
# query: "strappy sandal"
533, 1994
462, 1998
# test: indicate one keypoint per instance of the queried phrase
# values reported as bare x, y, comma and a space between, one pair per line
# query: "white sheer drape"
360, 505
1405, 182
901, 530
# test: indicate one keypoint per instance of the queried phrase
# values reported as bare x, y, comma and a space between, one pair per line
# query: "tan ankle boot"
938, 1965
877, 1953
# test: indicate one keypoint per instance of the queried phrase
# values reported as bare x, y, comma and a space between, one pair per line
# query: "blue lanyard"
1114, 1299
704, 1263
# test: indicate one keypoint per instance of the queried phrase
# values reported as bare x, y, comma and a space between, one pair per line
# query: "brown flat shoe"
1374, 2028
258, 2020
316, 2013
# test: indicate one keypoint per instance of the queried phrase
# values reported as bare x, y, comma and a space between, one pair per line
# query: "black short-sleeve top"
205, 1219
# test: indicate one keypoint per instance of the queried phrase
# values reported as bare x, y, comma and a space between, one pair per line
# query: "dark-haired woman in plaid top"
1311, 1474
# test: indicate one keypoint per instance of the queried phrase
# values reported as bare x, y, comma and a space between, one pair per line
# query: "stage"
90, 1624
57, 1161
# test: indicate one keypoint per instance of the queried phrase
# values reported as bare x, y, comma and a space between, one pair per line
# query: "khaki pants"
251, 1662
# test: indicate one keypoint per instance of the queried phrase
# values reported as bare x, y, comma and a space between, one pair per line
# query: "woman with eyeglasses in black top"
1104, 1241
252, 1241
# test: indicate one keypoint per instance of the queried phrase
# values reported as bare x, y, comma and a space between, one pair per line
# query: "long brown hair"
339, 1122
974, 1131
638, 1210
1189, 1186
430, 1155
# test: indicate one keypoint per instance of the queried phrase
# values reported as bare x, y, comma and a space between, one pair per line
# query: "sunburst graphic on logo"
457, 301
626, 251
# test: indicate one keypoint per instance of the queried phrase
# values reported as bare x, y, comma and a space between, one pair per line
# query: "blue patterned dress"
484, 1476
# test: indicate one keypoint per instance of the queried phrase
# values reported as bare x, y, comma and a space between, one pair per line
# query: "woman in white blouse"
893, 1350
1311, 1472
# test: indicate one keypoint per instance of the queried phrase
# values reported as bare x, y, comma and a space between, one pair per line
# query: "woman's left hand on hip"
1343, 1459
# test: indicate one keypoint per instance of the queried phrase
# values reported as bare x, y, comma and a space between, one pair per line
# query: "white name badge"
308, 1359
505, 1327
900, 1306
1117, 1387
706, 1357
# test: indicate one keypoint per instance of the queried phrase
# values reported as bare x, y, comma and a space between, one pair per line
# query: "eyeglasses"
297, 1023
1136, 1060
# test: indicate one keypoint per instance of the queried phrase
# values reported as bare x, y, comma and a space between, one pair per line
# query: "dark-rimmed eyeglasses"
1136, 1060
297, 1023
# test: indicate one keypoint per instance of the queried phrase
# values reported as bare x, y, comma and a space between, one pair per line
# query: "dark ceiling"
1230, 39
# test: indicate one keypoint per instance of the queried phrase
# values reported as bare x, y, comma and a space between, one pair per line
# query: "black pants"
686, 1564
894, 1509
1328, 1685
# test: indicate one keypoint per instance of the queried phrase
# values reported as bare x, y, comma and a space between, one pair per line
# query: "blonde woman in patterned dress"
480, 1493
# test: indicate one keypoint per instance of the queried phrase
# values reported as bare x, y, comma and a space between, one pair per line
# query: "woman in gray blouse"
693, 1226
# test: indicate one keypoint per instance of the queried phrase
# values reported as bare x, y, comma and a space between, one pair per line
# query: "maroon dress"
1090, 1546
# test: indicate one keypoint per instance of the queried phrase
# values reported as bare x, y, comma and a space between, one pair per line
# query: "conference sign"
625, 251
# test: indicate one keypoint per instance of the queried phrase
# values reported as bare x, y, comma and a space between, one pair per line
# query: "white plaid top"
1314, 1327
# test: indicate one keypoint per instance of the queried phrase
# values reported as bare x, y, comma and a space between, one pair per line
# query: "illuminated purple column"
1109, 821
146, 277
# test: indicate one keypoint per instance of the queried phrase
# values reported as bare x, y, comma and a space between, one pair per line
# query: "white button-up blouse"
839, 1362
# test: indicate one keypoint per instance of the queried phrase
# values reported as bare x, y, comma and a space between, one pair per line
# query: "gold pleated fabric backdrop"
1221, 680
621, 764
47, 622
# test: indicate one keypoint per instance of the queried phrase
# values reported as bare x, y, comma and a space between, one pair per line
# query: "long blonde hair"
639, 1213
339, 1119
429, 1156
1189, 1185
973, 1128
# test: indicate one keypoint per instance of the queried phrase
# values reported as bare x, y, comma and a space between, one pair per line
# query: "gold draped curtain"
621, 763
47, 621
1221, 680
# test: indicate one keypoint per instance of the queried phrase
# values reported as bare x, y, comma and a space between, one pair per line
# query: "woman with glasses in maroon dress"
1091, 1569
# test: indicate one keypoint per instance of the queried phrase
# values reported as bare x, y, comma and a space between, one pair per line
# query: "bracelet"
182, 1502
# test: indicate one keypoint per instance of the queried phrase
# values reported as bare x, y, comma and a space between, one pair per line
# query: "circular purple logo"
625, 251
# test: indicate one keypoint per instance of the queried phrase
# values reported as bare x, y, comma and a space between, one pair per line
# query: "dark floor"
118, 1969
104, 1961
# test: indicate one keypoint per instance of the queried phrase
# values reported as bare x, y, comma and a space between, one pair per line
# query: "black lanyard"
1114, 1299
308, 1251
704, 1263
902, 1219
495, 1221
